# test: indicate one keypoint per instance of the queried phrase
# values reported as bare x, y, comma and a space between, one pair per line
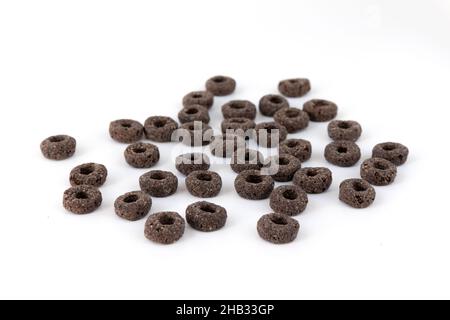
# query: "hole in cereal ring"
293, 81
380, 165
192, 111
311, 173
208, 208
321, 103
342, 150
131, 198
81, 195
56, 139
292, 113
255, 179
237, 105
290, 194
282, 161
157, 176
159, 123
389, 147
344, 125
279, 220
204, 177
139, 150
359, 186
197, 95
219, 79
166, 220
276, 100
125, 125
292, 144
86, 170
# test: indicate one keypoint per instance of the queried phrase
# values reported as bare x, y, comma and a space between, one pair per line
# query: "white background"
73, 66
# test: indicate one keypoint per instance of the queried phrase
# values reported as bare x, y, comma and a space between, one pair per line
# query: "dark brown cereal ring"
246, 159
82, 199
160, 129
292, 119
278, 228
313, 180
221, 85
193, 113
253, 185
290, 200
357, 193
320, 110
92, 174
342, 153
58, 147
133, 206
189, 162
203, 98
299, 148
378, 171
204, 184
126, 130
270, 104
206, 216
195, 134
142, 155
391, 151
283, 166
270, 134
294, 88
159, 183
239, 109
224, 146
239, 126
344, 130
164, 227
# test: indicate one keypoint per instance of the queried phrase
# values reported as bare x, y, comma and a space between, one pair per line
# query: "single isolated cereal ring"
164, 227
203, 98
160, 129
290, 200
391, 151
344, 130
313, 180
283, 166
206, 216
142, 155
246, 159
378, 171
271, 103
126, 130
133, 206
221, 85
92, 174
189, 162
239, 126
82, 199
292, 119
357, 193
299, 148
224, 146
192, 113
342, 153
320, 110
278, 228
58, 147
239, 109
253, 185
294, 88
270, 134
159, 183
204, 184
195, 134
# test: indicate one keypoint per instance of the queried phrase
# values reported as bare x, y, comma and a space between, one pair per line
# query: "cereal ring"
82, 199
224, 146
195, 134
133, 206
283, 166
292, 119
253, 185
164, 227
294, 88
221, 85
270, 134
270, 104
278, 228
193, 113
159, 183
59, 147
313, 180
246, 159
126, 130
160, 129
378, 171
142, 155
357, 193
239, 109
206, 216
320, 110
290, 200
204, 184
342, 153
344, 130
92, 174
299, 148
189, 162
239, 126
203, 98
391, 151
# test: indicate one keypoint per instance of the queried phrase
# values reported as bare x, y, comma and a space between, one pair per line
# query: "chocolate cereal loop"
313, 180
357, 193
82, 199
58, 147
239, 109
292, 119
203, 98
391, 151
253, 185
92, 174
290, 200
204, 184
224, 146
193, 113
344, 130
270, 104
320, 110
283, 166
294, 88
190, 162
126, 130
378, 171
142, 155
239, 126
342, 153
270, 134
133, 206
195, 134
160, 129
221, 85
159, 183
299, 148
164, 227
278, 228
206, 216
246, 159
